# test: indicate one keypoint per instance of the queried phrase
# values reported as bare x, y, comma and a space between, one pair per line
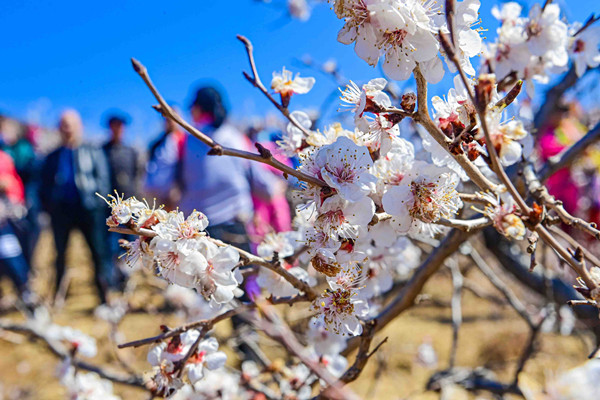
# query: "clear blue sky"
76, 54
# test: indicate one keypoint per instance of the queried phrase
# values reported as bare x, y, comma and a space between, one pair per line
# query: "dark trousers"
92, 224
12, 261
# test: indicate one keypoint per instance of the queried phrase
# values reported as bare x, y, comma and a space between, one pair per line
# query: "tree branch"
216, 149
58, 350
256, 82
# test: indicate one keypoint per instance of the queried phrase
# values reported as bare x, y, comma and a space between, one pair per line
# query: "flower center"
425, 206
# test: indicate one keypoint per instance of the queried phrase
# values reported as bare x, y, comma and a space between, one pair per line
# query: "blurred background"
69, 92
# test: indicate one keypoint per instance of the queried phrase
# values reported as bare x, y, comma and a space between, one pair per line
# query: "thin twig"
567, 157
457, 285
502, 287
208, 323
248, 259
58, 350
264, 156
256, 82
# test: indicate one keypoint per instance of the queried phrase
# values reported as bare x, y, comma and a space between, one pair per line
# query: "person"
123, 163
123, 160
164, 167
221, 187
13, 262
71, 176
14, 142
273, 215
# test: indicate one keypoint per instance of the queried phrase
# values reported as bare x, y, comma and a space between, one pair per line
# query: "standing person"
14, 142
164, 168
221, 187
12, 207
123, 160
70, 178
123, 163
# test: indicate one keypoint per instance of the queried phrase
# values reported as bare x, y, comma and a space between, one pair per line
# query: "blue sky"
76, 54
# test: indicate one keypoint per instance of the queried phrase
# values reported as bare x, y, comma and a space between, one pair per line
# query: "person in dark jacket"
124, 170
70, 178
123, 160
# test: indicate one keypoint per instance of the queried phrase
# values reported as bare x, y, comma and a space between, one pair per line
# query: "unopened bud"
409, 101
484, 89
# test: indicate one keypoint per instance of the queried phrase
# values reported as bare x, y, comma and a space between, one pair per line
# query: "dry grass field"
492, 335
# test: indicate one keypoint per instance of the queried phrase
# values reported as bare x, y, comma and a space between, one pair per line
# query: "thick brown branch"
567, 157
425, 120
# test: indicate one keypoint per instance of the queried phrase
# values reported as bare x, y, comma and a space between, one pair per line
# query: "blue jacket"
91, 175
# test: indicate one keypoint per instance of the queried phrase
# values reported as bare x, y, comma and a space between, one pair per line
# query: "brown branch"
249, 259
216, 148
277, 330
567, 157
422, 116
528, 351
575, 244
363, 355
58, 350
481, 108
541, 194
208, 323
256, 82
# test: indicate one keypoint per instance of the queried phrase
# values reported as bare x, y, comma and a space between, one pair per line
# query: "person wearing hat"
122, 159
124, 170
221, 187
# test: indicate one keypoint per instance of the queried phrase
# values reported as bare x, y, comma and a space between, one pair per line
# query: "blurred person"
14, 142
122, 159
70, 178
221, 187
164, 167
124, 170
13, 262
272, 214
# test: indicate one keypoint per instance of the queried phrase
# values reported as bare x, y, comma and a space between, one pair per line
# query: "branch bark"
216, 149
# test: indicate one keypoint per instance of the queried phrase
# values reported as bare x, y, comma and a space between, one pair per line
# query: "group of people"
176, 171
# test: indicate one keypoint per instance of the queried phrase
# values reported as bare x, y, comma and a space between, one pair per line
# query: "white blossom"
426, 194
286, 85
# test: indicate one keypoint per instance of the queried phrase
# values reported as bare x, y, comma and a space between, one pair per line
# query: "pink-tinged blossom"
585, 48
426, 194
340, 307
344, 166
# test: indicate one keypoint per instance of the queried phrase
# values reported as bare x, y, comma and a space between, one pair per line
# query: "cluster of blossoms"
77, 341
85, 385
406, 33
178, 249
457, 118
355, 230
539, 44
166, 359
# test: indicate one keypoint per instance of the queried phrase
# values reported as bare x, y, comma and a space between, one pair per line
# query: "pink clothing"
273, 214
560, 184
